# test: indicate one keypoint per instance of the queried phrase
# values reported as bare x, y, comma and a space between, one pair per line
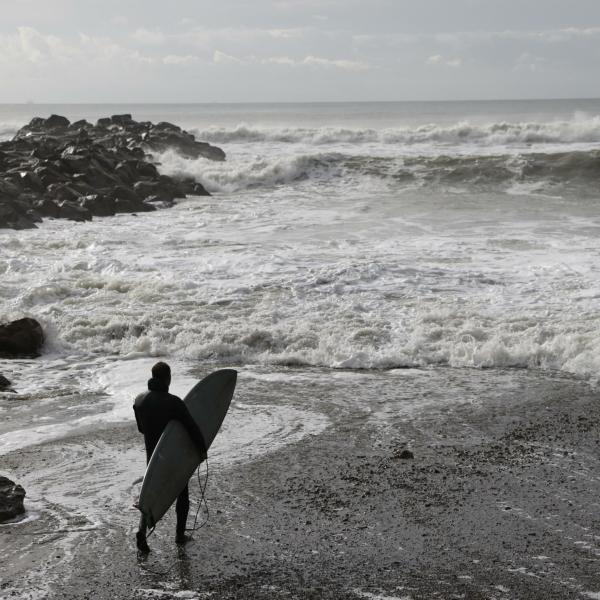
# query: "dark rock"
75, 170
99, 176
74, 211
81, 124
34, 216
48, 175
130, 205
166, 126
121, 120
148, 170
56, 122
182, 142
46, 149
21, 338
30, 180
155, 189
47, 208
198, 190
124, 193
405, 455
11, 499
36, 123
5, 384
13, 215
74, 163
99, 205
9, 188
61, 191
81, 186
126, 171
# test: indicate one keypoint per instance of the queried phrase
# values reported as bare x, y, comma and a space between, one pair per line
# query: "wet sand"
499, 501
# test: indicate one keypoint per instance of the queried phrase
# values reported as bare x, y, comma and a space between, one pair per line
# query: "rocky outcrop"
21, 338
11, 499
57, 169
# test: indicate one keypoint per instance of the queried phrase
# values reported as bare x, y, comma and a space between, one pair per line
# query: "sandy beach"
499, 501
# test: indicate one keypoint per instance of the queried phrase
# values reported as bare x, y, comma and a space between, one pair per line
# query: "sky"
297, 50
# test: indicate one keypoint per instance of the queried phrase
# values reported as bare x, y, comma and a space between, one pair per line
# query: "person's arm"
183, 415
138, 420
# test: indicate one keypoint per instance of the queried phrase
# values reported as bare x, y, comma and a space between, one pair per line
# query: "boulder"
5, 384
156, 189
11, 499
48, 175
13, 215
122, 192
190, 186
61, 191
130, 205
9, 188
98, 205
47, 208
81, 124
75, 163
199, 190
56, 122
30, 180
147, 170
21, 338
121, 120
405, 455
74, 211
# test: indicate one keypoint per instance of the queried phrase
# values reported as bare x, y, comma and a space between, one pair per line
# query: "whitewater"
360, 237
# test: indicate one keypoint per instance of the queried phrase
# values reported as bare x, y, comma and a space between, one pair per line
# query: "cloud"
286, 34
150, 38
175, 59
29, 46
529, 62
308, 61
346, 65
226, 59
438, 59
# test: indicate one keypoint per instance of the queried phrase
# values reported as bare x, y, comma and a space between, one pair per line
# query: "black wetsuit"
153, 410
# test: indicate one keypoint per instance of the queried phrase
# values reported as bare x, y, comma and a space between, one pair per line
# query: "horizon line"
291, 102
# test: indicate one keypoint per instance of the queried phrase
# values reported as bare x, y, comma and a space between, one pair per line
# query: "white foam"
161, 593
372, 596
579, 129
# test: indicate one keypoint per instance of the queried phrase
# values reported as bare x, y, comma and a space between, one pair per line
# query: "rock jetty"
55, 168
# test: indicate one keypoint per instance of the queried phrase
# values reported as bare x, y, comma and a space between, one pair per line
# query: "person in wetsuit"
153, 410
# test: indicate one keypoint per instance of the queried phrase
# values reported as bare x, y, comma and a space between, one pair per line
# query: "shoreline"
500, 501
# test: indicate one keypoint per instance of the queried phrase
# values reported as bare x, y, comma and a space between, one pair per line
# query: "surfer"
153, 410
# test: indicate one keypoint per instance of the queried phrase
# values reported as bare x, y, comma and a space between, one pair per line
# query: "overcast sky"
297, 50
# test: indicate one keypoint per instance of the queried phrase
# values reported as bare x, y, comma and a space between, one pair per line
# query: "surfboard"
176, 457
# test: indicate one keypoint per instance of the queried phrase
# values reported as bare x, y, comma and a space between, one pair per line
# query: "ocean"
363, 247
360, 236
339, 236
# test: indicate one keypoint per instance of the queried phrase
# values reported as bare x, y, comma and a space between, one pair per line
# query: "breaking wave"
549, 171
584, 130
8, 130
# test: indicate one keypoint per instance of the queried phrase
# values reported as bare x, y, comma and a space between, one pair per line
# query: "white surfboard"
176, 457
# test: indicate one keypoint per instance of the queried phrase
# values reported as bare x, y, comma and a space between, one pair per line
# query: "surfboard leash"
202, 500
